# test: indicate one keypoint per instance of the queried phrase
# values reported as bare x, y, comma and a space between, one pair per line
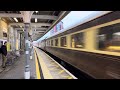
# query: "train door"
45, 44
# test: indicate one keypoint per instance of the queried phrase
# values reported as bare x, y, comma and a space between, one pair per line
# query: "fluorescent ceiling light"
16, 19
35, 19
118, 33
36, 11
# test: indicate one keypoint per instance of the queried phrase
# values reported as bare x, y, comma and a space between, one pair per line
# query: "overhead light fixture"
36, 11
35, 19
16, 19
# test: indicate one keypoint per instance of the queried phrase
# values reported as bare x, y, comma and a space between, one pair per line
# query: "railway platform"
16, 70
42, 66
60, 44
48, 68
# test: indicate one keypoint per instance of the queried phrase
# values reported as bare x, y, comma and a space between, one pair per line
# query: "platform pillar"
27, 67
26, 18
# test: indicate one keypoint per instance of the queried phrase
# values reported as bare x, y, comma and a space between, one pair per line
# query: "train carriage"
92, 47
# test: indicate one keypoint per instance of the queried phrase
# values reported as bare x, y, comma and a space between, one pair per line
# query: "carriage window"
63, 41
77, 40
46, 43
51, 42
109, 38
56, 42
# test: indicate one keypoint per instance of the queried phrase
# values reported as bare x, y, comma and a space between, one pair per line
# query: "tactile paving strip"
56, 71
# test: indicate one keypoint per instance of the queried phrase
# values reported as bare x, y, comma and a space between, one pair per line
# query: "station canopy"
41, 21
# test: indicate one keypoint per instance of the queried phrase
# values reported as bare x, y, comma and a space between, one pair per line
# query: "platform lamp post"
26, 18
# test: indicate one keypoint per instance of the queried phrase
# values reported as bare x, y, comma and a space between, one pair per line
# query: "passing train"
92, 47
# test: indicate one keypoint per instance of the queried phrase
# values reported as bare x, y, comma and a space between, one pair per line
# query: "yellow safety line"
37, 67
52, 68
51, 61
65, 76
61, 71
68, 77
56, 67
45, 70
53, 65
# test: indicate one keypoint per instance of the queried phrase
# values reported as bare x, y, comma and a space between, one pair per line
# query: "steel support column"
27, 67
26, 18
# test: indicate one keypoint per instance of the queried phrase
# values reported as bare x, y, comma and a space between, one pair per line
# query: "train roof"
80, 21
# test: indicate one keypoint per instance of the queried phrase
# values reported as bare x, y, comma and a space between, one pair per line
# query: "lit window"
109, 38
51, 42
63, 42
77, 40
56, 42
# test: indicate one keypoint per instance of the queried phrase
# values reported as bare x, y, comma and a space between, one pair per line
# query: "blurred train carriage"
93, 47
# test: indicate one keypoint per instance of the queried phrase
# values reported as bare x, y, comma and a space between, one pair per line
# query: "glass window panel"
77, 40
109, 38
63, 42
